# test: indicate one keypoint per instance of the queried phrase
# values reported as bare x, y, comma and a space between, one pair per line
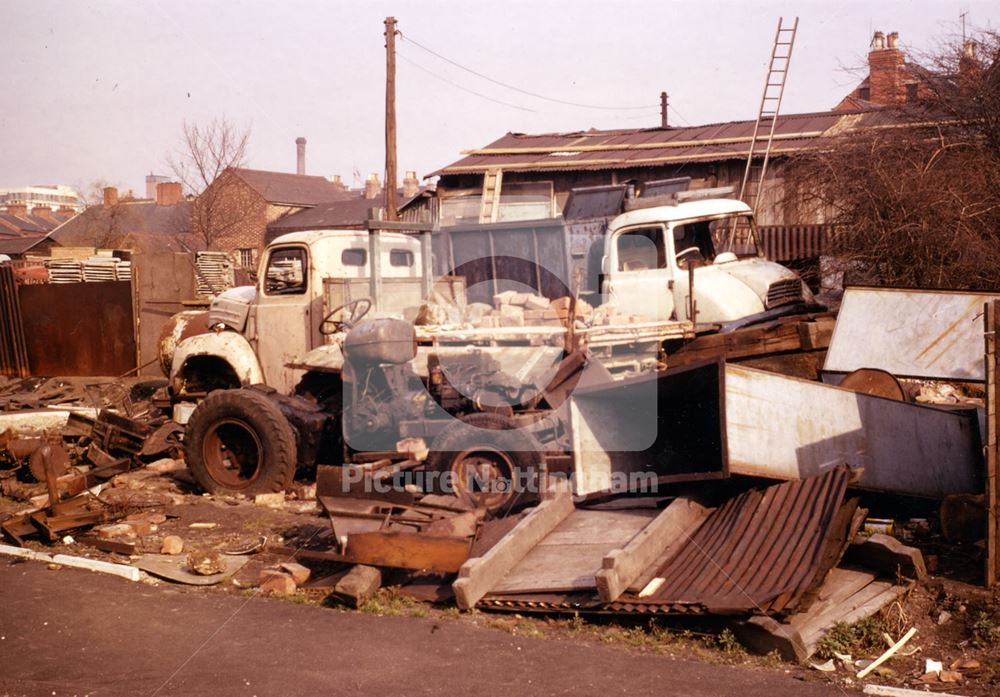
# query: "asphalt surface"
72, 632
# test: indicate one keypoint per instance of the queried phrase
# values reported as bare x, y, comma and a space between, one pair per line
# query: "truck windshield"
734, 234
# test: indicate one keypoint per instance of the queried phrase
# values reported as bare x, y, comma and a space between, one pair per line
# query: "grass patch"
861, 637
389, 602
983, 631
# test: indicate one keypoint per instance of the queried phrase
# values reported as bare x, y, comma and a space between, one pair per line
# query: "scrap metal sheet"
785, 428
910, 333
760, 551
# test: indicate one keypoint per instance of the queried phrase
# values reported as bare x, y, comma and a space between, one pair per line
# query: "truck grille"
784, 292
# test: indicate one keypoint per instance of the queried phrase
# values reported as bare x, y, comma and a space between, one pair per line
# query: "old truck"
334, 393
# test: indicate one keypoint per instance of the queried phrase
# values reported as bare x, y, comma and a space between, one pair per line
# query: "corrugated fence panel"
13, 352
788, 242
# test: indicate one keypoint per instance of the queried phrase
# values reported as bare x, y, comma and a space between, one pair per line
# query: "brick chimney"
337, 182
300, 151
17, 208
411, 185
970, 70
886, 70
43, 212
168, 193
372, 186
110, 196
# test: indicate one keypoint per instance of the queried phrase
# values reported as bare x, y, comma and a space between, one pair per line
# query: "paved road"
71, 632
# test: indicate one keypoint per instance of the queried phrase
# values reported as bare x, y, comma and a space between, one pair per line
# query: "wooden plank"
661, 539
992, 466
569, 557
477, 576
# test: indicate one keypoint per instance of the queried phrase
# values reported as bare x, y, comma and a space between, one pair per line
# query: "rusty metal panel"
13, 352
786, 428
760, 551
79, 328
910, 333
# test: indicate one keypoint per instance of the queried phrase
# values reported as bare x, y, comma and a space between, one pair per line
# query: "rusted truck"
362, 346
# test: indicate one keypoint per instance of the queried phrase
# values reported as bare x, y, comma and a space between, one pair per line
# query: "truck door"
284, 314
641, 279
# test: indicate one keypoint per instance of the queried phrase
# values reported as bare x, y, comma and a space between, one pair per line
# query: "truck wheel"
486, 459
238, 442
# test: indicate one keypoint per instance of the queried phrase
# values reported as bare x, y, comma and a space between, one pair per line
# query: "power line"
461, 87
518, 89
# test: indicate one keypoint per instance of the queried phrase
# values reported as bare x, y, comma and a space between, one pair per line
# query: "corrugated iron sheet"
759, 552
787, 242
763, 551
13, 352
654, 146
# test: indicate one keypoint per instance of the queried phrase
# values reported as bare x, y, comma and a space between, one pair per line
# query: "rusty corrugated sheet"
654, 146
13, 352
759, 552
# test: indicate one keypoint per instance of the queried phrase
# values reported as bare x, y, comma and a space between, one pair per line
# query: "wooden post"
663, 110
992, 313
390, 119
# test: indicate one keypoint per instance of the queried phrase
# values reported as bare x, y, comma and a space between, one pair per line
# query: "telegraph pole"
390, 119
663, 109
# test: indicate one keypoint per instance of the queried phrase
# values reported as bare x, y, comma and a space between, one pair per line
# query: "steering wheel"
684, 252
351, 309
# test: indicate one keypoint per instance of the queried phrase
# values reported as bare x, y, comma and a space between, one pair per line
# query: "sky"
100, 91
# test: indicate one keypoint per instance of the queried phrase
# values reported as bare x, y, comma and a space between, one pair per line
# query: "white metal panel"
913, 333
784, 428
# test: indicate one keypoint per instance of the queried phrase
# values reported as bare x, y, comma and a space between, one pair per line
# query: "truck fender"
221, 352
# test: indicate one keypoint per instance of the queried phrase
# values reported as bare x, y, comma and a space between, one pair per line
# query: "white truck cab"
653, 254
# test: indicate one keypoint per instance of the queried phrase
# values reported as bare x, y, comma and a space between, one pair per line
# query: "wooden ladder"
767, 115
489, 210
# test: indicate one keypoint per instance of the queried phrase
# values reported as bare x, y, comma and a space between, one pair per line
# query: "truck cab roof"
686, 210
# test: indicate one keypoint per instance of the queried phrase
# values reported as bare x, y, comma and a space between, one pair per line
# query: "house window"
354, 257
248, 258
400, 257
864, 93
911, 92
286, 272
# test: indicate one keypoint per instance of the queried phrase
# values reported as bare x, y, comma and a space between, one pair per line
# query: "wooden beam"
668, 531
889, 556
478, 575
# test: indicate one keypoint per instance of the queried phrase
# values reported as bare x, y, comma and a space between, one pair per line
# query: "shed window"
400, 257
357, 256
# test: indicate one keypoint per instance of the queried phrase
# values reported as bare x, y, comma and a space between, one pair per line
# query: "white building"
52, 197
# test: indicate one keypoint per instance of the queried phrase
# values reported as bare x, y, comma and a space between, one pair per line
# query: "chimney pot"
168, 193
878, 41
411, 185
110, 196
893, 40
300, 150
372, 186
338, 182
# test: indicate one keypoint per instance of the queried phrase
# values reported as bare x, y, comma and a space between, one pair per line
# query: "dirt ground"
957, 622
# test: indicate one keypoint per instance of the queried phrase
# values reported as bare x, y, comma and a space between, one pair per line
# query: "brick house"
22, 227
891, 79
233, 213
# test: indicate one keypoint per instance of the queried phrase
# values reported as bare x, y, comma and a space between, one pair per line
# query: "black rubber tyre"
488, 461
239, 442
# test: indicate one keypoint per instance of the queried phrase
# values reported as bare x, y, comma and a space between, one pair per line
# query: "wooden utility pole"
663, 109
390, 119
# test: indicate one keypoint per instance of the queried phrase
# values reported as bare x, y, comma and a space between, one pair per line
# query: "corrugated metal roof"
760, 551
617, 149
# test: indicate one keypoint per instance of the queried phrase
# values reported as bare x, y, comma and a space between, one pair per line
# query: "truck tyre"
486, 459
239, 442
